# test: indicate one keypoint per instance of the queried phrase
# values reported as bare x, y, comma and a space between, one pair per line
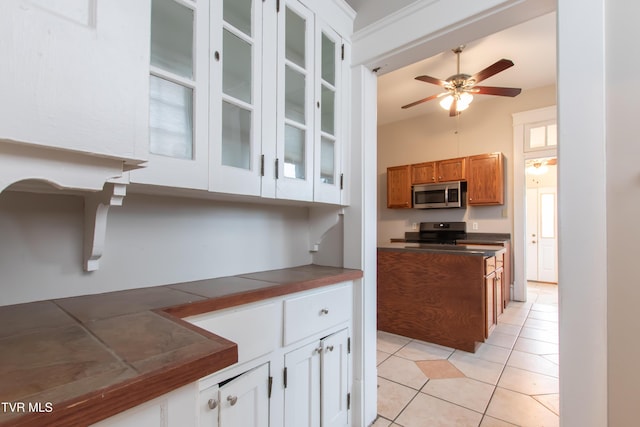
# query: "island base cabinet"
316, 383
240, 401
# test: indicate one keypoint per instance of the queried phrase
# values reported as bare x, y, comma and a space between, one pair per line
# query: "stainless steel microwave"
438, 196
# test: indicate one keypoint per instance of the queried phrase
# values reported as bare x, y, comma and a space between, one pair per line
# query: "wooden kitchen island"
443, 294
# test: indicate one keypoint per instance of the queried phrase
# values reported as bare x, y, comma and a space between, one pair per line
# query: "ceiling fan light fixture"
537, 168
464, 99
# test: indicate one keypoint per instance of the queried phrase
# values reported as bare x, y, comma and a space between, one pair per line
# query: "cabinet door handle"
324, 311
212, 404
330, 348
232, 400
216, 55
318, 350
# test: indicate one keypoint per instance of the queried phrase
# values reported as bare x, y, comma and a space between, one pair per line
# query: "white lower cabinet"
316, 383
237, 402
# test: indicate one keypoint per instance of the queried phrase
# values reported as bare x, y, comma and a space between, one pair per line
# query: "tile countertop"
83, 359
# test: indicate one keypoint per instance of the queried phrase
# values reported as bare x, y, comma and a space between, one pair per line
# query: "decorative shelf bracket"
96, 208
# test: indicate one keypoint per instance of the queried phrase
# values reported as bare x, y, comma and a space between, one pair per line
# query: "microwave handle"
446, 195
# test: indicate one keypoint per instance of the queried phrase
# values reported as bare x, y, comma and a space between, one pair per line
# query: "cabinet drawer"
489, 265
309, 314
254, 329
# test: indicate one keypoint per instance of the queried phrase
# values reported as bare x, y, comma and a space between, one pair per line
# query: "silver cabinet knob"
318, 350
330, 348
232, 400
533, 241
324, 311
212, 404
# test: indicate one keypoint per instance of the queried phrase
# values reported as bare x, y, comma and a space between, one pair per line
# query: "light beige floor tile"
390, 343
547, 299
501, 340
426, 410
439, 369
381, 422
392, 398
504, 328
520, 409
527, 382
381, 356
544, 315
513, 318
540, 335
551, 401
536, 347
478, 369
555, 358
490, 353
488, 421
548, 308
534, 363
466, 392
541, 324
420, 350
402, 371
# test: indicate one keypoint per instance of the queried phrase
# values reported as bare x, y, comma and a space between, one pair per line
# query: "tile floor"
511, 380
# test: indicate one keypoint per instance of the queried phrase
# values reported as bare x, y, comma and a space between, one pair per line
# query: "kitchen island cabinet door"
399, 187
490, 303
485, 180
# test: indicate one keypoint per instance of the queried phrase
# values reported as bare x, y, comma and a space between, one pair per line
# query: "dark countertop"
93, 356
475, 249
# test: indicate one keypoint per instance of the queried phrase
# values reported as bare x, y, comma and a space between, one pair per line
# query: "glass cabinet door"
178, 93
235, 100
296, 120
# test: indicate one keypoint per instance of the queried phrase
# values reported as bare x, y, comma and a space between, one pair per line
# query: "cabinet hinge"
270, 385
285, 377
349, 345
348, 401
342, 52
262, 165
342, 181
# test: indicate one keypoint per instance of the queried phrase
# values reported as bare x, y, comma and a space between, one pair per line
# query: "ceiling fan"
461, 87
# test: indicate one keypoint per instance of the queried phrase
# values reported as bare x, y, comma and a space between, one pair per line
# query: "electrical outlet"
474, 225
414, 226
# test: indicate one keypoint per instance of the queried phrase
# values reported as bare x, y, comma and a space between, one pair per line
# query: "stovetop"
447, 233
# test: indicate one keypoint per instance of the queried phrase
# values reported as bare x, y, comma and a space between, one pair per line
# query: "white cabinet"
178, 148
237, 402
74, 75
174, 409
316, 383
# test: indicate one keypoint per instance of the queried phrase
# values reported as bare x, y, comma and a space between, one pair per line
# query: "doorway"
541, 220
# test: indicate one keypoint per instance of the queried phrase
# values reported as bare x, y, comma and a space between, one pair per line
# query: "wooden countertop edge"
103, 403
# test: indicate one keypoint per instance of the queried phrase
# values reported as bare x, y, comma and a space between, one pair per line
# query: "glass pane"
327, 161
172, 37
170, 119
328, 60
236, 67
537, 137
238, 14
236, 136
328, 110
295, 38
294, 105
552, 135
547, 215
294, 152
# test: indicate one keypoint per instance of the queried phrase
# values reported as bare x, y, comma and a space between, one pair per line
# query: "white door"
542, 234
302, 391
244, 401
334, 380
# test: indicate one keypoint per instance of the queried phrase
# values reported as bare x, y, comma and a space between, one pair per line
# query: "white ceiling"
531, 46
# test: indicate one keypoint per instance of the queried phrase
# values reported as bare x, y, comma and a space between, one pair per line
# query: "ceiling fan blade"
429, 79
428, 98
499, 66
492, 90
453, 110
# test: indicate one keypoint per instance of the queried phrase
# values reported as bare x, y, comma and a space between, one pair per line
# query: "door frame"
519, 291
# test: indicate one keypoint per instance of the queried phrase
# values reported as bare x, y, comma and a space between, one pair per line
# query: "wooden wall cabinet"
399, 187
440, 171
485, 182
423, 173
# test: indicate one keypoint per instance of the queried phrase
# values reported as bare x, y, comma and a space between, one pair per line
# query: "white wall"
485, 127
150, 241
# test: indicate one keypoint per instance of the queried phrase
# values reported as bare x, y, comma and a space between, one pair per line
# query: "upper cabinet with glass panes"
246, 97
